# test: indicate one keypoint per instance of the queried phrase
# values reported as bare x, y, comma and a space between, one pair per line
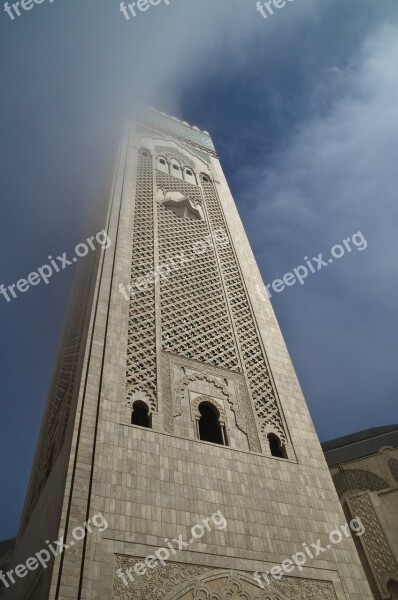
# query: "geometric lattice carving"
141, 349
181, 581
258, 376
358, 480
195, 320
181, 206
379, 552
393, 466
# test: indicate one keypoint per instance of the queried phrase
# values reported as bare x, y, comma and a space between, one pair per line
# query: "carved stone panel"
256, 366
181, 581
179, 375
195, 317
141, 350
379, 553
155, 584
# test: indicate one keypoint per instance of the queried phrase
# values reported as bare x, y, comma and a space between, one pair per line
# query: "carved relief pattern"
380, 554
195, 321
393, 466
251, 430
358, 479
180, 391
176, 581
261, 387
233, 588
214, 401
239, 402
141, 351
184, 383
167, 401
305, 589
156, 583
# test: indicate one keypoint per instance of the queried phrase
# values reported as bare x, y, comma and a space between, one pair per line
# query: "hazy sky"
303, 109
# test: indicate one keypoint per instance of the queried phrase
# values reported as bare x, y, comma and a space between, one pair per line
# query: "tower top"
191, 133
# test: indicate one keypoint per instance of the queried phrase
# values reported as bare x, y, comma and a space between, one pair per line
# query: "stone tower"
175, 401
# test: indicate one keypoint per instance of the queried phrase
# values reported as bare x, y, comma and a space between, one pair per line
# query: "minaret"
175, 412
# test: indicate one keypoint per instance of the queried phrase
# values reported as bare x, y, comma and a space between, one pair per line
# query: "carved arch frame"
182, 389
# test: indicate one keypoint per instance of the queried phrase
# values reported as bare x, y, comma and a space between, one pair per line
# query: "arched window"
276, 446
205, 178
140, 415
145, 153
189, 176
162, 165
392, 588
210, 428
175, 168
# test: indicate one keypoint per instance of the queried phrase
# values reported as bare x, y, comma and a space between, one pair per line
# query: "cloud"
337, 174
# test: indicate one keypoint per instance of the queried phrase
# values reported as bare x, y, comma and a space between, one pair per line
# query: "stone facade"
194, 332
364, 471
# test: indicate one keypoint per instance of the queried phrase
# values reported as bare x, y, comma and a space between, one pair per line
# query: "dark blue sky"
303, 109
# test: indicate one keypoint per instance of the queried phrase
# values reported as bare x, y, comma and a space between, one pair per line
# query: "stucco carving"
192, 371
181, 581
133, 396
260, 382
219, 385
358, 479
217, 403
378, 549
141, 349
185, 381
195, 318
156, 583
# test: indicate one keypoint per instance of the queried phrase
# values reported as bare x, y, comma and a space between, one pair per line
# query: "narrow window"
175, 168
140, 415
210, 428
189, 176
276, 446
162, 165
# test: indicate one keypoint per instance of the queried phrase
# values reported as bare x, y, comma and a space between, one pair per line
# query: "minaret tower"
175, 400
